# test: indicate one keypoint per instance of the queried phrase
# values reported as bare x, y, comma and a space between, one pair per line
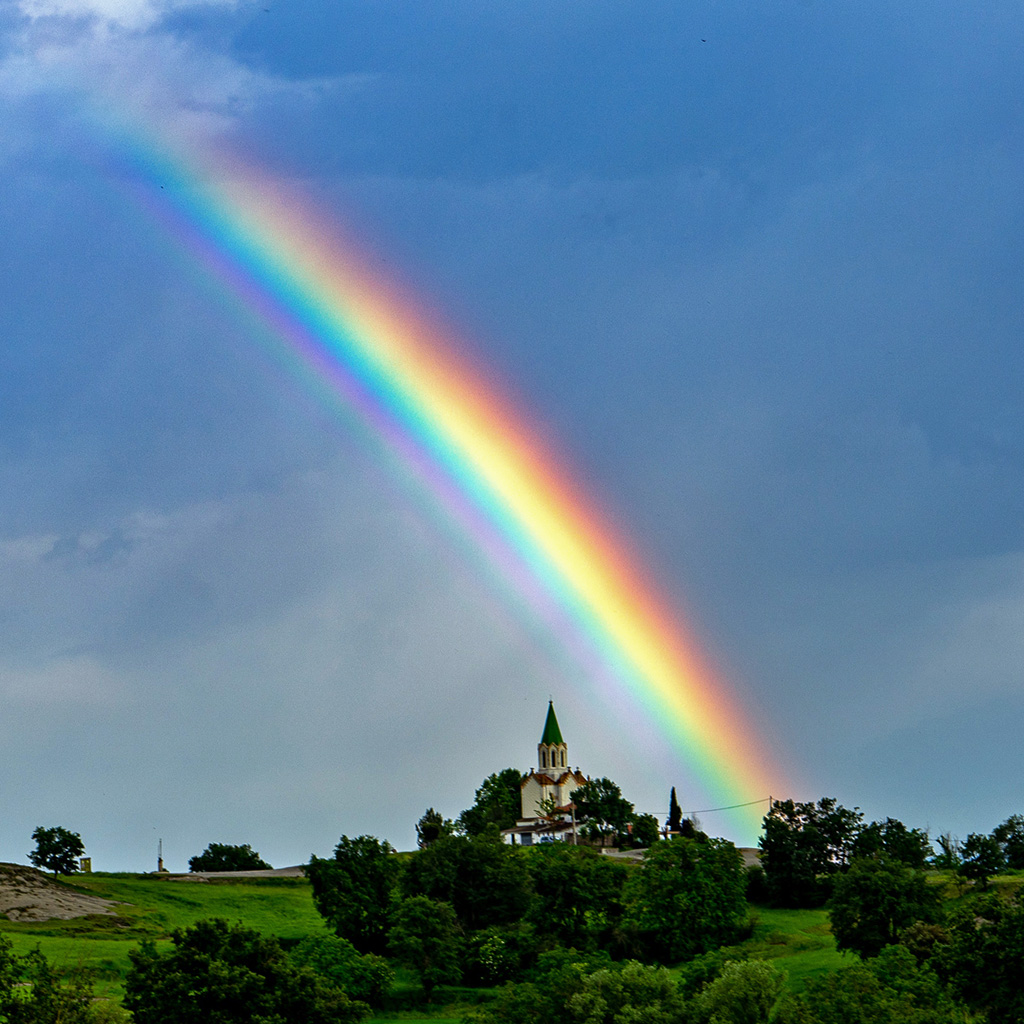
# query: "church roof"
552, 734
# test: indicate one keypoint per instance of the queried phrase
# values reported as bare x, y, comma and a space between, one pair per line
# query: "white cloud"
27, 549
77, 679
128, 14
121, 56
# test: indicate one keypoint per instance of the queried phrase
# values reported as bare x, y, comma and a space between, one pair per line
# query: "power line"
733, 807
711, 810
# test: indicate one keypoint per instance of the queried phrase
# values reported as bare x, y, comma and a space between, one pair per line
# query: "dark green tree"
601, 808
1010, 836
484, 879
364, 977
431, 827
426, 938
803, 845
353, 890
981, 858
57, 850
686, 898
569, 987
645, 831
875, 900
892, 838
228, 974
500, 953
675, 813
744, 993
222, 857
983, 961
497, 803
626, 992
577, 894
949, 856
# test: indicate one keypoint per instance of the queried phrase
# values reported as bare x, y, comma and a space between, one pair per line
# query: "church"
545, 810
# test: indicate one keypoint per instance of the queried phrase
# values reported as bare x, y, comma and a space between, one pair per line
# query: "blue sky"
755, 269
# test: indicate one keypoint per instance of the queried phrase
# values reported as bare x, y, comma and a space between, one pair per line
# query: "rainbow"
369, 349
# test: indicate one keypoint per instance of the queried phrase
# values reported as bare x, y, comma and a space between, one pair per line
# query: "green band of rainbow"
364, 346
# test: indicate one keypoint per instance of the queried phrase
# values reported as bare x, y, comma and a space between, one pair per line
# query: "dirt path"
26, 894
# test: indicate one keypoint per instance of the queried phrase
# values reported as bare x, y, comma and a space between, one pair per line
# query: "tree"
431, 827
685, 898
891, 837
675, 813
1010, 836
570, 987
485, 880
744, 993
222, 857
228, 974
628, 992
981, 857
353, 890
497, 803
875, 900
426, 937
602, 808
57, 849
803, 845
645, 830
949, 856
498, 954
983, 961
577, 894
364, 977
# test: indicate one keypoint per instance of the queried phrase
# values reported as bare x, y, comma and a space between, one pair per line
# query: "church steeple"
552, 752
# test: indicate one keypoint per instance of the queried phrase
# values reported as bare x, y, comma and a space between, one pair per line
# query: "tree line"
564, 933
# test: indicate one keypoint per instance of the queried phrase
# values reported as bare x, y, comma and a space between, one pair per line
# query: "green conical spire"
552, 734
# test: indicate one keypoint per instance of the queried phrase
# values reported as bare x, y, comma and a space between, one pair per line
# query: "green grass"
798, 942
151, 908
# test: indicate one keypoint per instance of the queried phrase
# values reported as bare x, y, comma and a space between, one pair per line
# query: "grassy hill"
150, 907
799, 942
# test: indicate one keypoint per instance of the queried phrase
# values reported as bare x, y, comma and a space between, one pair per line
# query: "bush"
744, 993
222, 857
364, 977
221, 974
499, 954
32, 993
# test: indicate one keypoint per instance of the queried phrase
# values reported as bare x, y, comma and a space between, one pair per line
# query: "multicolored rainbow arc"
358, 340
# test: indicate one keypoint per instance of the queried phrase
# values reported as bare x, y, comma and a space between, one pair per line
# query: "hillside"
26, 894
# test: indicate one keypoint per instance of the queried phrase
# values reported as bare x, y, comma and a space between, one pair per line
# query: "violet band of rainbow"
358, 342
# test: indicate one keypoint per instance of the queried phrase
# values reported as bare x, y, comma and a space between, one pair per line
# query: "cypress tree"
675, 813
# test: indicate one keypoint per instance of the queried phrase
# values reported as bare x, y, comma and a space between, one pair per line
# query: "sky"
752, 269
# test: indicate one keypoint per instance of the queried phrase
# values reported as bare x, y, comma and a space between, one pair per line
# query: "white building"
546, 812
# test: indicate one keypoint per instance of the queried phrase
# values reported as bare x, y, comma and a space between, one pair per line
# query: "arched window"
543, 759
563, 758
